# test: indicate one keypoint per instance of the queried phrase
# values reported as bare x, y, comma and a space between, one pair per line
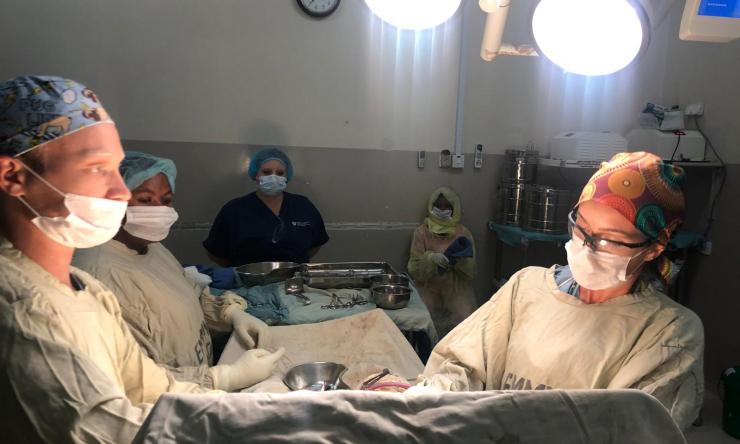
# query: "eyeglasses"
597, 243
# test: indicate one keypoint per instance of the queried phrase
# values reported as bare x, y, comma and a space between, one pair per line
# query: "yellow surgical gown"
168, 313
72, 371
530, 335
449, 295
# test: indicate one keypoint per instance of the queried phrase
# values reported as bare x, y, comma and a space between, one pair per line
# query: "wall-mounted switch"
421, 158
458, 160
478, 159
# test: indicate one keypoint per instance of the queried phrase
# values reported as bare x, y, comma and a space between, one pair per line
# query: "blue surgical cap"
138, 167
266, 154
35, 110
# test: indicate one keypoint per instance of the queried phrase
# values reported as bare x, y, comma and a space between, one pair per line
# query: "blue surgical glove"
460, 247
223, 278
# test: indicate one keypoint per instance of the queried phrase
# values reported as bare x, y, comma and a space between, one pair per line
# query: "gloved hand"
439, 259
252, 367
250, 330
460, 248
221, 278
200, 279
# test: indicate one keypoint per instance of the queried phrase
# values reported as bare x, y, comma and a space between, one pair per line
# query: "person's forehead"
155, 184
273, 164
99, 142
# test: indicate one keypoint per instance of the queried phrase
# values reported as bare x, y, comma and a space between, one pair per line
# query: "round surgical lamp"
590, 37
414, 14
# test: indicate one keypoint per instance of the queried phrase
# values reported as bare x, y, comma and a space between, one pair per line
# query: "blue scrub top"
247, 231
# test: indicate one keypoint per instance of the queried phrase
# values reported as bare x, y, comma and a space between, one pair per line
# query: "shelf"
557, 163
513, 236
698, 164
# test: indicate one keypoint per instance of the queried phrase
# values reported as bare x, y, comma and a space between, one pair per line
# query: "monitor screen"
720, 8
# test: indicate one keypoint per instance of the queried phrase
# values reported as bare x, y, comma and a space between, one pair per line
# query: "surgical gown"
72, 370
448, 294
530, 335
168, 314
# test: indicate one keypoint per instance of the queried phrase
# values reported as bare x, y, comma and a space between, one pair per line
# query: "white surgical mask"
442, 214
272, 185
150, 223
597, 270
91, 221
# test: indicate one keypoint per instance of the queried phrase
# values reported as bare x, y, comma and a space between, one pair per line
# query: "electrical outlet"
445, 159
478, 159
421, 159
458, 160
694, 109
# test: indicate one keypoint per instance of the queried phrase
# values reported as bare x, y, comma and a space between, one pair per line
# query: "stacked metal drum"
526, 204
546, 209
520, 171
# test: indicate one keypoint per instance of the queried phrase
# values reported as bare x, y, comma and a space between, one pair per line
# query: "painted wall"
245, 71
259, 72
516, 100
714, 285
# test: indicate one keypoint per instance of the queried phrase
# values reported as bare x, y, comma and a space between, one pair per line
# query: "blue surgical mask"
442, 214
273, 184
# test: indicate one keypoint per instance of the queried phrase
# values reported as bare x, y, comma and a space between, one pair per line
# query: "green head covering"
443, 226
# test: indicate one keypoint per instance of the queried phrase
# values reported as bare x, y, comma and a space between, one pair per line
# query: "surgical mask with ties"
442, 214
150, 223
597, 270
272, 185
91, 221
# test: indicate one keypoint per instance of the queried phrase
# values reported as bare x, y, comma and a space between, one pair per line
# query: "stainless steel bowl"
389, 279
316, 376
391, 297
263, 273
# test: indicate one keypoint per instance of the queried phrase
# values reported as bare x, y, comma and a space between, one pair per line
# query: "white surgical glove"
439, 259
200, 279
249, 330
252, 367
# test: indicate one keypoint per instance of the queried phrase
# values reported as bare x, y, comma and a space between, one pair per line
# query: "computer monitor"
710, 21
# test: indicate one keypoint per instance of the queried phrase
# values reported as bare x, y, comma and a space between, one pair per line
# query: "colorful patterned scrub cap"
644, 189
35, 110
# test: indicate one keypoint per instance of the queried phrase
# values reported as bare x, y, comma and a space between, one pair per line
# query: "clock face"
318, 8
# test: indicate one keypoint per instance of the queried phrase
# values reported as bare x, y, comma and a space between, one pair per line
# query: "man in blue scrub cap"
268, 224
71, 370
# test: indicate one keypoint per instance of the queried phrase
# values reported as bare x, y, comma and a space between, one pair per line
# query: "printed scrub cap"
37, 109
644, 189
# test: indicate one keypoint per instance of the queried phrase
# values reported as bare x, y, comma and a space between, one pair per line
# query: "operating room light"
414, 14
589, 37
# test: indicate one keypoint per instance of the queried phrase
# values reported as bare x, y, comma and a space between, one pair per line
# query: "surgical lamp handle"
497, 12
